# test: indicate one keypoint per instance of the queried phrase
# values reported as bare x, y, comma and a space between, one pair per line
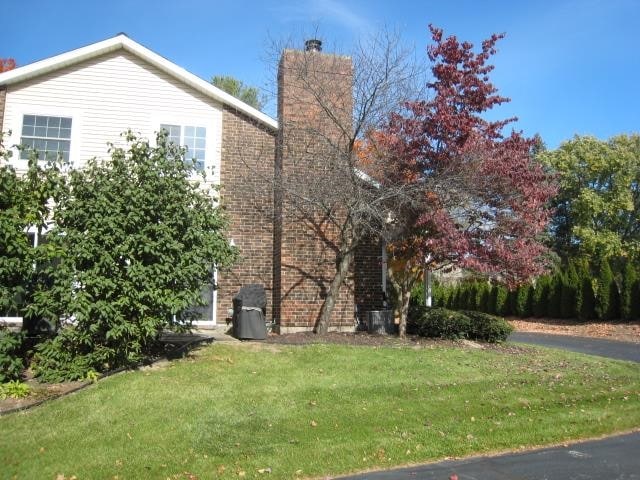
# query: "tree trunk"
404, 311
322, 325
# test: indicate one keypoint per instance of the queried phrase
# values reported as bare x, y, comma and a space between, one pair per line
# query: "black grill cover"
252, 296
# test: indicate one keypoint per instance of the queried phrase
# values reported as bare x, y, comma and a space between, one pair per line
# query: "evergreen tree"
604, 300
523, 301
629, 278
485, 297
501, 300
541, 296
568, 302
635, 300
555, 295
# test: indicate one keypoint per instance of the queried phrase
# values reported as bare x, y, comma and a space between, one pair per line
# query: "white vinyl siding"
106, 96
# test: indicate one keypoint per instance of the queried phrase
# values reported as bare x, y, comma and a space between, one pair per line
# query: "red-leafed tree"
482, 201
7, 64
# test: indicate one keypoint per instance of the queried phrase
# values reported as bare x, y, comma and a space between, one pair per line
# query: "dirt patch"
374, 340
40, 392
622, 331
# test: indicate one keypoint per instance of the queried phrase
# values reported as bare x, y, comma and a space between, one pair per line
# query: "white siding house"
107, 95
77, 102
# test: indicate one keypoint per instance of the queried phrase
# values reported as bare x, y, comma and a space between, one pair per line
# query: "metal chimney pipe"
313, 45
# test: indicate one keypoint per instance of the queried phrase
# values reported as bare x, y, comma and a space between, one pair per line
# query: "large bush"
136, 241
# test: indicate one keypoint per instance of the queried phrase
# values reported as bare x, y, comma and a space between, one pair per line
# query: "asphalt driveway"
612, 458
593, 346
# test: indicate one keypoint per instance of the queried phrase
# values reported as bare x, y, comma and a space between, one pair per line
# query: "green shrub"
439, 322
454, 325
14, 389
488, 328
11, 355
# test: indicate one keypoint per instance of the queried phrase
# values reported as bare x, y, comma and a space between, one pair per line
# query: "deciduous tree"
482, 200
7, 64
599, 197
237, 88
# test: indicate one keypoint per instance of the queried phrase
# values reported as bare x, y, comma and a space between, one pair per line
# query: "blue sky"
569, 66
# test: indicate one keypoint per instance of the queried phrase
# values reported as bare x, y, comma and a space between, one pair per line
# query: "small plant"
14, 389
92, 376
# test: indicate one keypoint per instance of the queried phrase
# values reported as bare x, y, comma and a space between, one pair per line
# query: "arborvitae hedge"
570, 292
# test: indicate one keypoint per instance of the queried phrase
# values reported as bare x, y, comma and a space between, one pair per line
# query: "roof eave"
121, 41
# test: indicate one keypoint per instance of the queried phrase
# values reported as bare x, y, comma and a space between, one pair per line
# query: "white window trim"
48, 111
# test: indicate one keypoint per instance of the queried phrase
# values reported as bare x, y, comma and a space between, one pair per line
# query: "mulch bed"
374, 340
615, 330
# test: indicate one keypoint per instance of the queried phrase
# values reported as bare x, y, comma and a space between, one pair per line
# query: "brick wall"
305, 243
368, 275
247, 164
3, 99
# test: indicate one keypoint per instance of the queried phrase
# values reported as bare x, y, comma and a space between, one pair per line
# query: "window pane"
189, 143
53, 132
199, 165
65, 122
54, 122
199, 154
201, 132
29, 120
40, 131
189, 131
200, 143
28, 130
41, 121
65, 133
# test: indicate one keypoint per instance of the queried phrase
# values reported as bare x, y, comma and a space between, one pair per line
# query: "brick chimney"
315, 108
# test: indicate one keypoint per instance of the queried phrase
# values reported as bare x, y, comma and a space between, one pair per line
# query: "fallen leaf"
264, 470
314, 423
221, 469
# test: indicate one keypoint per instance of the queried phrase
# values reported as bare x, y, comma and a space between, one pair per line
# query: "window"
191, 137
49, 136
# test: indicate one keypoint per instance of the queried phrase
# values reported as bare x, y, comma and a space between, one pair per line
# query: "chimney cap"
313, 45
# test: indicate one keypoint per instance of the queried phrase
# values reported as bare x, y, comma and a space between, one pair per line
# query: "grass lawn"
232, 411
